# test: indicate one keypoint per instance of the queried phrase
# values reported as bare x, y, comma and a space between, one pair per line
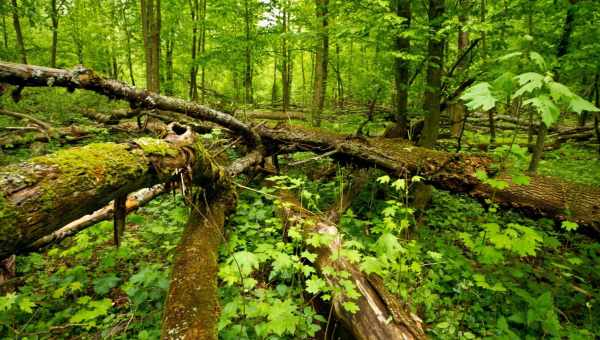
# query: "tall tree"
321, 60
248, 20
55, 8
431, 103
457, 110
286, 65
150, 16
18, 32
401, 71
194, 11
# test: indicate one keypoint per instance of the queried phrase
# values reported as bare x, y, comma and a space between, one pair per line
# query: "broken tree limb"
192, 305
83, 78
543, 196
34, 120
375, 319
43, 194
134, 201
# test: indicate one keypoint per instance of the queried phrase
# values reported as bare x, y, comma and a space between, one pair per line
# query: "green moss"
153, 146
90, 168
7, 220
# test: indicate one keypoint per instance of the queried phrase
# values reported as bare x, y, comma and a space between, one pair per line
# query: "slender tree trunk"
457, 110
151, 30
401, 73
539, 148
285, 61
597, 114
18, 33
128, 45
248, 98
54, 18
482, 13
193, 92
321, 61
202, 51
4, 32
434, 76
170, 90
274, 87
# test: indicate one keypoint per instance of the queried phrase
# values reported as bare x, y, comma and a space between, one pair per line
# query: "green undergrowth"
467, 270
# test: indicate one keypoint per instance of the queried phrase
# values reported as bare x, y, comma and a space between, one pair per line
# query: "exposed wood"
133, 202
43, 194
375, 319
17, 115
543, 196
19, 74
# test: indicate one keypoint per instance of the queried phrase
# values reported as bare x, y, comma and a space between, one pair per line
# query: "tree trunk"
543, 196
457, 110
170, 88
380, 315
285, 61
18, 33
401, 73
43, 194
202, 51
248, 98
5, 32
192, 304
321, 61
128, 45
193, 92
151, 18
54, 18
433, 88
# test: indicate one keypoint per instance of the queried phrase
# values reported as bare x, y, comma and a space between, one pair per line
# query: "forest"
299, 169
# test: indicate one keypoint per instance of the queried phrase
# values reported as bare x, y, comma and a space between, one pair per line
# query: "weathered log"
275, 115
43, 194
378, 317
64, 135
134, 201
83, 78
17, 115
543, 196
192, 305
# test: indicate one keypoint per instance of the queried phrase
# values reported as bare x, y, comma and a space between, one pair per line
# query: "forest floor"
469, 270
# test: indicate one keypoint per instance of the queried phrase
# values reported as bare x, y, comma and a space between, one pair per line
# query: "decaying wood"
275, 115
134, 201
17, 115
376, 317
82, 78
43, 194
543, 196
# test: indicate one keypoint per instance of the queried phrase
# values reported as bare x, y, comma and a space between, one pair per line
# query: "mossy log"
43, 194
380, 314
83, 78
543, 197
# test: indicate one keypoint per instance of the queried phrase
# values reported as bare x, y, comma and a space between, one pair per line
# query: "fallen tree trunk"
134, 201
380, 315
43, 194
82, 78
543, 196
275, 115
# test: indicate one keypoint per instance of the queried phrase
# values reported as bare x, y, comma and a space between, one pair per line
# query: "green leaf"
94, 310
282, 317
538, 59
105, 283
315, 285
388, 244
383, 179
7, 301
546, 108
351, 307
578, 105
247, 261
371, 264
479, 97
26, 305
529, 82
569, 226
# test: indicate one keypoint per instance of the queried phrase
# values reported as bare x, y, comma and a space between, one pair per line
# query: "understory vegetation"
299, 169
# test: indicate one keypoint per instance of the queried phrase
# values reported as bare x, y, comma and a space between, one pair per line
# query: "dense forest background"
510, 87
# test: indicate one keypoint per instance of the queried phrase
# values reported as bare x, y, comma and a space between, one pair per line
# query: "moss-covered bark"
43, 194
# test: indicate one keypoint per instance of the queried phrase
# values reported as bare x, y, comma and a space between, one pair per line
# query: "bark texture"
380, 315
43, 194
321, 61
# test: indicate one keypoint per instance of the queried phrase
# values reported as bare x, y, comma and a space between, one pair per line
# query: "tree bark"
41, 195
435, 64
457, 110
380, 315
321, 61
194, 9
248, 97
54, 19
18, 74
150, 17
285, 61
401, 73
18, 33
128, 44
